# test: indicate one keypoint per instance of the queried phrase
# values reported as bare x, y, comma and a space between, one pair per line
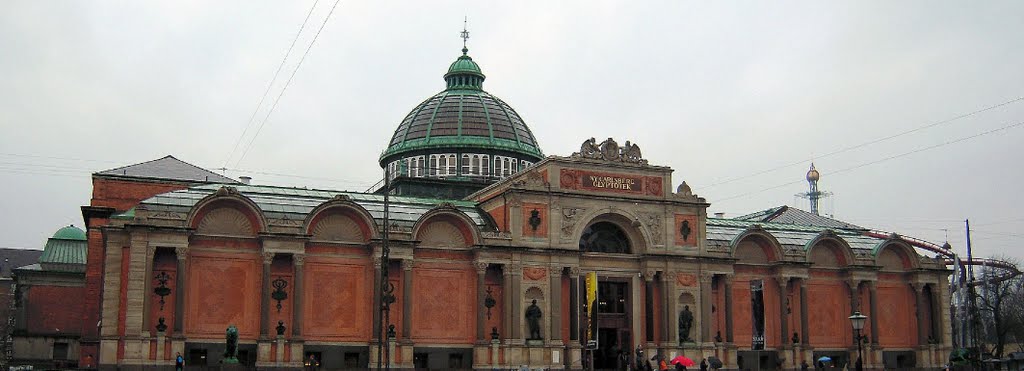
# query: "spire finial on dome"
465, 35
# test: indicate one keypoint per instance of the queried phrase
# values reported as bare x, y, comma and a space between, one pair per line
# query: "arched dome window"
604, 237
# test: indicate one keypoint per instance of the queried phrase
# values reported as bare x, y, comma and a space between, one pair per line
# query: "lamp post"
857, 320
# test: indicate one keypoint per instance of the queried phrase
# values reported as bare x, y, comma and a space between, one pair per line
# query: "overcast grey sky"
716, 90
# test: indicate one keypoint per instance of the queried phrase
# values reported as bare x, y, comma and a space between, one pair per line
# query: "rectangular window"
441, 164
476, 165
515, 166
465, 165
60, 351
485, 162
433, 165
421, 165
452, 165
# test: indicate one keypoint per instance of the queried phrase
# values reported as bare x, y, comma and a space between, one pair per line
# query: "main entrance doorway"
615, 341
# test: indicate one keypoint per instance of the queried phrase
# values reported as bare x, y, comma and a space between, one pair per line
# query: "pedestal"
161, 346
495, 348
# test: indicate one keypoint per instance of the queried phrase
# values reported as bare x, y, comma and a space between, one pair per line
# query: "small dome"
813, 175
70, 232
463, 118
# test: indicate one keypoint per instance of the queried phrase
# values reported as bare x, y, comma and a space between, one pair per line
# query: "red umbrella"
683, 360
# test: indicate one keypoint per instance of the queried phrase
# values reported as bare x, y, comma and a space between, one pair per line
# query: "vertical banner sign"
591, 303
757, 301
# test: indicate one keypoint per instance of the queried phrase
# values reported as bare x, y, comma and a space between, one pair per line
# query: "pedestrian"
179, 362
804, 366
704, 364
662, 365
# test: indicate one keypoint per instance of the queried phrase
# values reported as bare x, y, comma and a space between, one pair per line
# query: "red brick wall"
125, 194
50, 308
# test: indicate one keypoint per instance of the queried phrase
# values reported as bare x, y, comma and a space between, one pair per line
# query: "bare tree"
1000, 305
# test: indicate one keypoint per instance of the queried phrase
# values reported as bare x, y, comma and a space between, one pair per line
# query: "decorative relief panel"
686, 279
338, 227
653, 223
223, 291
535, 273
335, 302
225, 221
535, 220
444, 306
686, 230
570, 216
441, 234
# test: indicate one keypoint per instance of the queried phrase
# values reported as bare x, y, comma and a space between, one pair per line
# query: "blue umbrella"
824, 359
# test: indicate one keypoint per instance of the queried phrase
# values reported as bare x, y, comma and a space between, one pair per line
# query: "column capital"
299, 259
783, 282
649, 275
181, 252
377, 262
407, 264
481, 267
729, 277
555, 269
918, 287
574, 272
707, 276
268, 257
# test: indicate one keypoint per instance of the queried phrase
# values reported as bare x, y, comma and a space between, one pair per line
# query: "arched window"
485, 162
465, 165
476, 165
433, 165
452, 165
604, 237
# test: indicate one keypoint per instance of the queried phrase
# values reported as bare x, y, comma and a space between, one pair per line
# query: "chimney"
720, 215
245, 179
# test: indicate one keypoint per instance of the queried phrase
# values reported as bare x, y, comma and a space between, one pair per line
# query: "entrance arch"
605, 237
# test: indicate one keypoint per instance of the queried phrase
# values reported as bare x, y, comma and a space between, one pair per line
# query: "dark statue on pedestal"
685, 323
231, 346
280, 328
533, 315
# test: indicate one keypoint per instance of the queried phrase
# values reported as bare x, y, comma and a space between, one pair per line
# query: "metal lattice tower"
813, 194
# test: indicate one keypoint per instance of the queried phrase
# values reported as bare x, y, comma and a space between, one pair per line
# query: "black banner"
757, 303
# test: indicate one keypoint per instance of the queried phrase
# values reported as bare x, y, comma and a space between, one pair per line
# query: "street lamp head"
858, 320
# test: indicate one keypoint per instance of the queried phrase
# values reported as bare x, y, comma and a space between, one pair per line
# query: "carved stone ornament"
570, 215
653, 223
225, 190
534, 273
684, 190
686, 279
609, 150
535, 219
341, 197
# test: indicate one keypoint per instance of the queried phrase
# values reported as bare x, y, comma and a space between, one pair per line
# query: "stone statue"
796, 338
533, 315
231, 346
280, 328
685, 323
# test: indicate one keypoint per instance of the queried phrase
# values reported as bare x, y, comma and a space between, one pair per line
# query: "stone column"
728, 308
407, 289
783, 283
805, 328
873, 297
268, 257
667, 314
180, 285
481, 296
506, 301
854, 287
922, 310
556, 304
375, 297
147, 302
574, 303
297, 295
706, 302
517, 302
937, 322
649, 305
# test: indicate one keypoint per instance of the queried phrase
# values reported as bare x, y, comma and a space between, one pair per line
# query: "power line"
850, 148
272, 81
880, 160
286, 84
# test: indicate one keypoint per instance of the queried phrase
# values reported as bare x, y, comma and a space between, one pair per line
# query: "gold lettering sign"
612, 183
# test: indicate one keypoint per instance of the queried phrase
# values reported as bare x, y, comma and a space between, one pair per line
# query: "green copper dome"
70, 233
463, 119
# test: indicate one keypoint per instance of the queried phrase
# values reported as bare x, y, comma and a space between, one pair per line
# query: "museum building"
483, 229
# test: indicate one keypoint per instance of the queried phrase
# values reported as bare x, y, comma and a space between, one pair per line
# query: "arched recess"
756, 246
828, 250
227, 213
445, 226
534, 293
340, 220
895, 255
636, 237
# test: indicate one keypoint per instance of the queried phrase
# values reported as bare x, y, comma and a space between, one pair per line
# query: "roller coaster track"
1008, 270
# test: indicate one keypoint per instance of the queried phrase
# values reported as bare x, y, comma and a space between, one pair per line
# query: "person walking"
179, 362
704, 364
